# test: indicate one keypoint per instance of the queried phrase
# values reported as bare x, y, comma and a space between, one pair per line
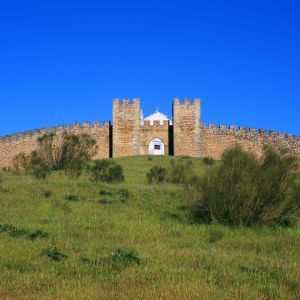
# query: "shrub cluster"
179, 172
126, 256
67, 152
14, 231
105, 170
54, 253
245, 190
157, 174
207, 160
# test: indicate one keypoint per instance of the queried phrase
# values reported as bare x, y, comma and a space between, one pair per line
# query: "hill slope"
173, 258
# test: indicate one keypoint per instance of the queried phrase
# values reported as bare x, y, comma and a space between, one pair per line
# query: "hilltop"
63, 238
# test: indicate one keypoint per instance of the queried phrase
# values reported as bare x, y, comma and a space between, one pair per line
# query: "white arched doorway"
156, 147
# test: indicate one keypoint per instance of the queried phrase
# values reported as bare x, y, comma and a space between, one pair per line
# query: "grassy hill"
162, 253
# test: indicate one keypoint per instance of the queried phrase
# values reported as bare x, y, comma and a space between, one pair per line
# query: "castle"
132, 134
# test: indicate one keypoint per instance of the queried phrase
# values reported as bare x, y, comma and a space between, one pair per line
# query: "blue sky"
64, 61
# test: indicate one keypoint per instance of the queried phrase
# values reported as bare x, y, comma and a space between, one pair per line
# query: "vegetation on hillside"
244, 190
67, 152
67, 236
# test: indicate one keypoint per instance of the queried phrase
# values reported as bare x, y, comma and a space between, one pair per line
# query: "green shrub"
245, 190
38, 167
207, 160
21, 163
12, 230
47, 194
157, 174
72, 198
105, 193
124, 195
105, 170
56, 152
40, 172
66, 150
180, 171
125, 256
54, 253
74, 168
31, 163
38, 234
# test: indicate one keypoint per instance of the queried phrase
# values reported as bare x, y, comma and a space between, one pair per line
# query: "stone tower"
126, 127
186, 128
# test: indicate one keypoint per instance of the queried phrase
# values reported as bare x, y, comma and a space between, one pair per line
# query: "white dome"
157, 116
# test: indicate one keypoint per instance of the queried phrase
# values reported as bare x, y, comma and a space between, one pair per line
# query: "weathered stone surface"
26, 142
186, 124
126, 127
215, 140
129, 136
148, 132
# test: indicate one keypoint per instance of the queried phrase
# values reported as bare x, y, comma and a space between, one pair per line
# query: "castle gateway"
132, 134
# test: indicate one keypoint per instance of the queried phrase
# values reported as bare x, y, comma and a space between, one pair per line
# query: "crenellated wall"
215, 139
150, 131
126, 120
11, 145
129, 135
186, 127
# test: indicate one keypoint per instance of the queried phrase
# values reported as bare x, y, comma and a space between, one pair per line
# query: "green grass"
132, 241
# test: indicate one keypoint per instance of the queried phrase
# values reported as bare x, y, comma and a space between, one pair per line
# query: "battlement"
146, 123
126, 122
248, 130
57, 129
126, 101
183, 135
186, 101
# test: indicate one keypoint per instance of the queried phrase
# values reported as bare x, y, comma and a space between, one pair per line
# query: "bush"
66, 150
208, 160
21, 162
31, 163
38, 234
72, 198
124, 195
12, 230
105, 170
74, 168
180, 171
40, 172
55, 152
125, 256
245, 191
157, 174
54, 253
47, 194
105, 193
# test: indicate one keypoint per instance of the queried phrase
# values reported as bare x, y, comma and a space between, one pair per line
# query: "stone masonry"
186, 127
130, 135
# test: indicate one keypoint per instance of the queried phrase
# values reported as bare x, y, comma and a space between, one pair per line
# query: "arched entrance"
156, 147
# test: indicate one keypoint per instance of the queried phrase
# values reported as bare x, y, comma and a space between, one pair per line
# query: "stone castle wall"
186, 128
149, 131
214, 140
131, 136
11, 145
126, 127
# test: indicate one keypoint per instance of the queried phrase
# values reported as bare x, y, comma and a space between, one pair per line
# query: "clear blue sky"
64, 61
